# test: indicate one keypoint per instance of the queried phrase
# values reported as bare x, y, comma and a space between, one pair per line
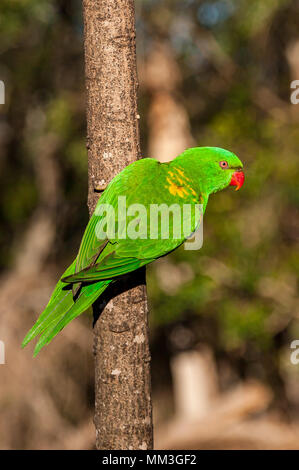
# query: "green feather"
61, 309
60, 317
110, 267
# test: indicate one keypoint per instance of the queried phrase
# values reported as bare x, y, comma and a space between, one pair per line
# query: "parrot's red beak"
237, 179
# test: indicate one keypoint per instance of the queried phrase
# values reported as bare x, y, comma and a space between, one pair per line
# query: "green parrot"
104, 255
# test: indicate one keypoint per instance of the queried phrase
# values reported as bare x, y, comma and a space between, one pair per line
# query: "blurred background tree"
211, 73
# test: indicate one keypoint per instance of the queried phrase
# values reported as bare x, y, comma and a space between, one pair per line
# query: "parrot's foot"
75, 289
100, 187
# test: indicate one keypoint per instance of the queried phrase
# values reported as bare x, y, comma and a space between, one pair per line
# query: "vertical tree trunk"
123, 413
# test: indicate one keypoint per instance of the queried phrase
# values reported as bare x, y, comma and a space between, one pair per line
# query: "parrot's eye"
223, 164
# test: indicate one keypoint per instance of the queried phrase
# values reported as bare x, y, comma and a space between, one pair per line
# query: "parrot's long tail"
62, 308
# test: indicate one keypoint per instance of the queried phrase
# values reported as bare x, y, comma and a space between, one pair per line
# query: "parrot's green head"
214, 168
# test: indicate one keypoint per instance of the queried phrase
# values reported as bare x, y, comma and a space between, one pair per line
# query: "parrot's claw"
100, 187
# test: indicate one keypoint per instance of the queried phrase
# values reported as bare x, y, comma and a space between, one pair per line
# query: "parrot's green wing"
63, 305
61, 309
101, 258
129, 184
109, 267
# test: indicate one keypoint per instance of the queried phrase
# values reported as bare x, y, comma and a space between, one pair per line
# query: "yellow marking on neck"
192, 191
182, 191
180, 181
174, 189
182, 174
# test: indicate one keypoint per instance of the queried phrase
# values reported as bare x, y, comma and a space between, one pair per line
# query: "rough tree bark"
123, 410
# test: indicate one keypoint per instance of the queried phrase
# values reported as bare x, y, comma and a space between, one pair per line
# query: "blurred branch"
40, 234
168, 122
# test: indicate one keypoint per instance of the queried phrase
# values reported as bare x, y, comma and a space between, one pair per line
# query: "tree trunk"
123, 410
